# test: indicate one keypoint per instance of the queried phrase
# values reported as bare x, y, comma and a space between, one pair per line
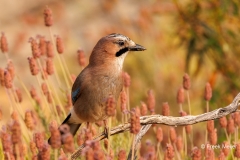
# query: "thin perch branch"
169, 120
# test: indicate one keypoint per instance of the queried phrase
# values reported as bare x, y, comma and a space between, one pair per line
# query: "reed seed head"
230, 125
110, 106
59, 43
126, 79
186, 82
123, 100
49, 66
68, 143
50, 49
99, 155
221, 156
33, 147
122, 155
135, 121
223, 122
45, 152
44, 88
10, 68
169, 153
7, 79
213, 137
144, 109
35, 48
3, 43
173, 135
38, 101
80, 138
165, 109
48, 19
55, 139
237, 150
210, 125
67, 138
42, 45
81, 58
33, 66
159, 134
236, 118
16, 132
2, 82
151, 152
151, 101
96, 145
209, 153
226, 148
105, 142
6, 141
179, 143
180, 96
88, 134
208, 92
39, 140
29, 121
196, 154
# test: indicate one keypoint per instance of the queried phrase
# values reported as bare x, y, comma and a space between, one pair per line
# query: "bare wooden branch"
169, 120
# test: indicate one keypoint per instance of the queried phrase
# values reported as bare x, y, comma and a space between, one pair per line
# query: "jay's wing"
75, 95
76, 89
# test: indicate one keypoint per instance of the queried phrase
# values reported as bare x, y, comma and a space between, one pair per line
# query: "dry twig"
169, 120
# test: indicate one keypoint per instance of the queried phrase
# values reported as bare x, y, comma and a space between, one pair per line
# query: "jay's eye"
121, 43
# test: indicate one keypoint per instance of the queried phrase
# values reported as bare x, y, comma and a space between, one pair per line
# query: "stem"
185, 141
206, 133
180, 107
59, 61
190, 112
189, 104
109, 137
18, 107
55, 154
10, 100
177, 152
134, 136
66, 68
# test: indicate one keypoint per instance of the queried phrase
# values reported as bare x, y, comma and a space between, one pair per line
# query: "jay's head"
112, 49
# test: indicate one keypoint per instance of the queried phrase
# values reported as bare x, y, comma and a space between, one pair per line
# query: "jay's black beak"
137, 47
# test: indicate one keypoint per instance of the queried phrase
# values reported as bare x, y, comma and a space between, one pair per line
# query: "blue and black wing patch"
75, 95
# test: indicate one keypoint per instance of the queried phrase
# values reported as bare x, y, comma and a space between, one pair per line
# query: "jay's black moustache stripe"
121, 51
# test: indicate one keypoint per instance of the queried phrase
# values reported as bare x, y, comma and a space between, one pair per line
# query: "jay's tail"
73, 126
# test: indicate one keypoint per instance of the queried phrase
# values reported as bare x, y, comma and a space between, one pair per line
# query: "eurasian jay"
101, 78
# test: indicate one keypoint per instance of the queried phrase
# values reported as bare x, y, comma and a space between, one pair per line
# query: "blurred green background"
198, 37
